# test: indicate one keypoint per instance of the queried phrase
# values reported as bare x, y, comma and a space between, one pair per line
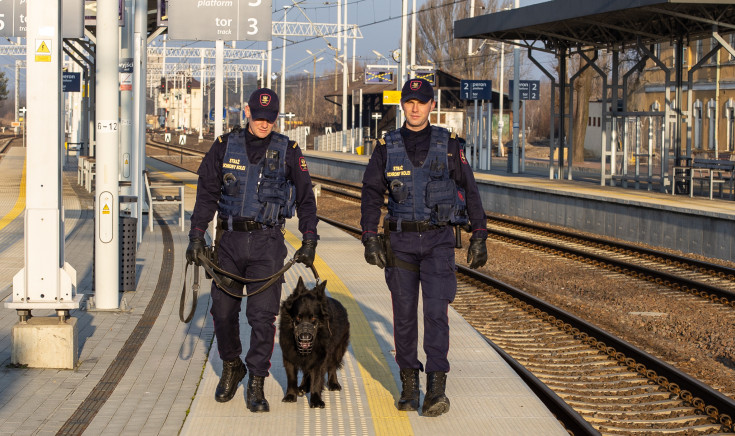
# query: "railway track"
614, 386
686, 276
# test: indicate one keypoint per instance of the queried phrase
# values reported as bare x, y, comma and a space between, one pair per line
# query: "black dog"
314, 333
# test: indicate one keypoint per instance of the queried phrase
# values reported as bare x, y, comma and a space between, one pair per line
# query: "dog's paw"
334, 386
316, 401
289, 398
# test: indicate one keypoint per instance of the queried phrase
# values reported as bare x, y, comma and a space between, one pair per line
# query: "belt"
239, 226
412, 226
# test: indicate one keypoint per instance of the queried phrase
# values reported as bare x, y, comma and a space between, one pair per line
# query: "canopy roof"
601, 23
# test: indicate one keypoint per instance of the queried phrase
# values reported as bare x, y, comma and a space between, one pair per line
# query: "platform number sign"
528, 89
476, 89
210, 20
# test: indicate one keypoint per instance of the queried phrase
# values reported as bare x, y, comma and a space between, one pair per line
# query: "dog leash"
224, 279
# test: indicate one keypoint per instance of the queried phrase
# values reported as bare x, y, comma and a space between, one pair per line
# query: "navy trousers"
255, 254
433, 251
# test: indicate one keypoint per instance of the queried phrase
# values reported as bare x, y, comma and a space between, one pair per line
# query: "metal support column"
46, 281
107, 125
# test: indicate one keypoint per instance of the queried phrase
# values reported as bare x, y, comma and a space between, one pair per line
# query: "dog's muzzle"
305, 333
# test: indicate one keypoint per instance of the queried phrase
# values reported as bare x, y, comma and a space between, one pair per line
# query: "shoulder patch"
453, 135
381, 141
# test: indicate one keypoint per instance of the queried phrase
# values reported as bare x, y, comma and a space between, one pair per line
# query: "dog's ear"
319, 289
300, 285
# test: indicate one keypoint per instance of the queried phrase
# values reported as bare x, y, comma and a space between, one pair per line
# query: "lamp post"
283, 71
313, 82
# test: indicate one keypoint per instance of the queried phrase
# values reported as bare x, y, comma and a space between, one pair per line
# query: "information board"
528, 89
71, 82
378, 76
211, 20
13, 18
476, 89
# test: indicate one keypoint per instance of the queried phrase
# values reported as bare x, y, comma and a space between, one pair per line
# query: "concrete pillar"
107, 126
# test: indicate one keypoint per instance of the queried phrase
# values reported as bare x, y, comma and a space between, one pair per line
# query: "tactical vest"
424, 193
256, 192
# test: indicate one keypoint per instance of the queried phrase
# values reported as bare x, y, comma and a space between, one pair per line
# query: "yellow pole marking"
380, 386
20, 203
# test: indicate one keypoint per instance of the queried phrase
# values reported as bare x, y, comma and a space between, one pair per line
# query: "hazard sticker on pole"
105, 218
43, 50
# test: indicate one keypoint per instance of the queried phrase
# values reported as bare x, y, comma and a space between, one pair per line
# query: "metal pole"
219, 58
516, 98
126, 99
270, 64
139, 89
501, 152
201, 91
404, 47
313, 88
413, 41
282, 97
107, 242
17, 93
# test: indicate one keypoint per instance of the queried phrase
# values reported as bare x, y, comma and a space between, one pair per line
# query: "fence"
299, 134
345, 141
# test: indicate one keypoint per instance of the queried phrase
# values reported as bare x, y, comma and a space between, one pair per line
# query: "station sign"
13, 18
212, 20
379, 76
391, 97
476, 89
71, 82
527, 89
429, 76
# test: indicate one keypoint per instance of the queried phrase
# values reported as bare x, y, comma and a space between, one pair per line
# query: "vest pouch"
398, 191
289, 208
231, 185
440, 199
272, 194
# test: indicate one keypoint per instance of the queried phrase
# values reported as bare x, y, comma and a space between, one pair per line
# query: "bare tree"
436, 43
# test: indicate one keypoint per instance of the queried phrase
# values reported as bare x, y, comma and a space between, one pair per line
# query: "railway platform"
142, 371
695, 225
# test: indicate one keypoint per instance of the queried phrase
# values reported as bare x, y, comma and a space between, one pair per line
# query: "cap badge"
415, 85
265, 99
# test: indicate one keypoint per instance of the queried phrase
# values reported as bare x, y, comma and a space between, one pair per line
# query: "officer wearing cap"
431, 187
253, 178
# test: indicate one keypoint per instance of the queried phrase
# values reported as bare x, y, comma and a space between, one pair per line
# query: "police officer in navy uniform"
254, 178
431, 187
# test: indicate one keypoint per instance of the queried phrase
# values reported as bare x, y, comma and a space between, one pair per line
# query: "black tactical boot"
435, 402
256, 399
410, 395
232, 372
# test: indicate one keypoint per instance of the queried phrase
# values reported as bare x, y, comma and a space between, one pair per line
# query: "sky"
379, 22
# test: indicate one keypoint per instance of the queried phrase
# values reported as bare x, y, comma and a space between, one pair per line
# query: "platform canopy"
601, 23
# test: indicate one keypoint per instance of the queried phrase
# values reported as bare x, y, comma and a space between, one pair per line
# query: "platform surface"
165, 383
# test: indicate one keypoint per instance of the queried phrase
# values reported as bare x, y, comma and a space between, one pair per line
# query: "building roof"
615, 24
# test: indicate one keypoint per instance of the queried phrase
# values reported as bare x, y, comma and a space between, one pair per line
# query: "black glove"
477, 253
306, 253
196, 246
374, 252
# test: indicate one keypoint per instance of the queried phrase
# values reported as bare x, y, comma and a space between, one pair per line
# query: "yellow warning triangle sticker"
43, 48
126, 161
105, 209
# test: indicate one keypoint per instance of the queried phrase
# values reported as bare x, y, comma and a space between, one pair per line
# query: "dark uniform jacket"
374, 183
210, 182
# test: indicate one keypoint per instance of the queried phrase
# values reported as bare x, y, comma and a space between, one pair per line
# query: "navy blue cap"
263, 105
418, 89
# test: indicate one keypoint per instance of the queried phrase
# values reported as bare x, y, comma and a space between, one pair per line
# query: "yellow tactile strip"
20, 203
387, 420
